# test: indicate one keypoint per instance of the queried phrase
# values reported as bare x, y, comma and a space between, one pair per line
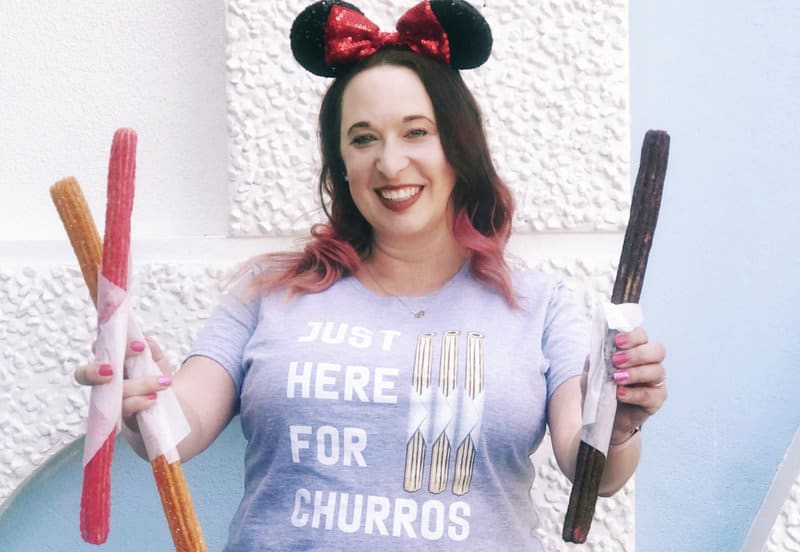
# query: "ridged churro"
177, 503
96, 492
85, 240
81, 230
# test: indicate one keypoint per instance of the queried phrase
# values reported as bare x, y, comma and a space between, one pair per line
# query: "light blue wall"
722, 286
721, 291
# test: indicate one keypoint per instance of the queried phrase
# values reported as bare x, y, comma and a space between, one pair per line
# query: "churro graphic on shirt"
448, 417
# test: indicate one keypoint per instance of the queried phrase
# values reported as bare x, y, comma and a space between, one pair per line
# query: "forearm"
621, 462
200, 437
565, 432
207, 397
193, 444
189, 447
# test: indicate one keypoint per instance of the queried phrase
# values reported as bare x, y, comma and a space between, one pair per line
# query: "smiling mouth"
399, 194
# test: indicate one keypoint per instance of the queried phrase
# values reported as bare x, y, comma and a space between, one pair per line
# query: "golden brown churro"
81, 230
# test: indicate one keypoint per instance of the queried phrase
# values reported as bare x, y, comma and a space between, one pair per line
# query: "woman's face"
399, 177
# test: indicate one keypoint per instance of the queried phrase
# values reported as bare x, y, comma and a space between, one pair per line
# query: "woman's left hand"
641, 382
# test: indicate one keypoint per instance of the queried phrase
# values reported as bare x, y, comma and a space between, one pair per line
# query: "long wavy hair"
483, 205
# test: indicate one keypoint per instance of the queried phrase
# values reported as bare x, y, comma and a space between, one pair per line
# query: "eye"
417, 133
362, 139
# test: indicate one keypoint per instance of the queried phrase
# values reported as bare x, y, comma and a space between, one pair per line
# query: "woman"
394, 377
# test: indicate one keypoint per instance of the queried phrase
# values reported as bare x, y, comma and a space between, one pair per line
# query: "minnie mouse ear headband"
330, 35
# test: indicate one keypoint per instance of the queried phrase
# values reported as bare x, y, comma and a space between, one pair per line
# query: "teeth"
400, 194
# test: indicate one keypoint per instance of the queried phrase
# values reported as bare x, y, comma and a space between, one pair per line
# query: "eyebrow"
365, 124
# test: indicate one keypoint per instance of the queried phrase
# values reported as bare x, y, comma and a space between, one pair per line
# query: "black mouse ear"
307, 36
467, 31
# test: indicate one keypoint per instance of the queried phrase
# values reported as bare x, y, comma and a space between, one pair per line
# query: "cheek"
446, 175
350, 162
355, 165
358, 183
450, 174
357, 178
436, 161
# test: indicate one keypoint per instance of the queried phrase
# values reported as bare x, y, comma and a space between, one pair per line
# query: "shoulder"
252, 280
541, 291
531, 283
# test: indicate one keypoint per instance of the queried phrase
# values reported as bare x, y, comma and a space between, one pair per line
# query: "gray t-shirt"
370, 429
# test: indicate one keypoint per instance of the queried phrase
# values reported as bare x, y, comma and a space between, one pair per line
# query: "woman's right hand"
137, 394
204, 389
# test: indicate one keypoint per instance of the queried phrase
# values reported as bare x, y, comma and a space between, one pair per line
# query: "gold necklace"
414, 312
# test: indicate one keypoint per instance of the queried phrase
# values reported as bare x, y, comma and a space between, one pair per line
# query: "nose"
392, 159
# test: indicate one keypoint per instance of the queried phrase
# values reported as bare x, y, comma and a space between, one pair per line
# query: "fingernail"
152, 396
620, 358
621, 391
621, 375
164, 381
621, 339
105, 370
137, 346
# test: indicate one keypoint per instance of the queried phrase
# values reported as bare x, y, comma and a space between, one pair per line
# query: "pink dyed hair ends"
327, 258
324, 260
487, 262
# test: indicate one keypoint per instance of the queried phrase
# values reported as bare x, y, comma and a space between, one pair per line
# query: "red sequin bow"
350, 36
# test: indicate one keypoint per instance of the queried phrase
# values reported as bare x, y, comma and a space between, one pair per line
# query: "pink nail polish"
621, 375
137, 346
621, 339
164, 381
620, 358
621, 391
152, 396
105, 370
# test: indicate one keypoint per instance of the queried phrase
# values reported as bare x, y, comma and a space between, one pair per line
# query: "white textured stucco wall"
555, 97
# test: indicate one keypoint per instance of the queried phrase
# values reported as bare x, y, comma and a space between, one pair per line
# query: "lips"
399, 198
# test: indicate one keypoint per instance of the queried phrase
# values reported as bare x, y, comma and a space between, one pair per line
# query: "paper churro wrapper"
600, 401
163, 425
106, 400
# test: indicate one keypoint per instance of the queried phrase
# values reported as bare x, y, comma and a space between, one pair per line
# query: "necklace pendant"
419, 314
